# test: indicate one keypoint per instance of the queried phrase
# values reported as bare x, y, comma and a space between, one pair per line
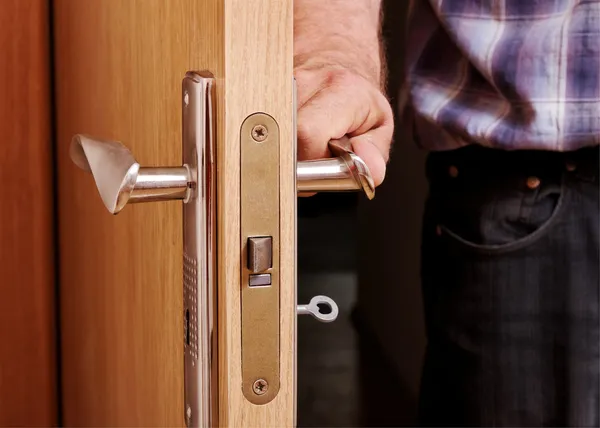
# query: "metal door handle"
121, 180
345, 172
119, 177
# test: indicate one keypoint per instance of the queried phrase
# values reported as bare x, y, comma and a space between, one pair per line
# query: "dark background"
363, 369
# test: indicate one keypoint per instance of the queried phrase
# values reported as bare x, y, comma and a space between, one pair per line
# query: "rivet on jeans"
533, 183
453, 171
571, 166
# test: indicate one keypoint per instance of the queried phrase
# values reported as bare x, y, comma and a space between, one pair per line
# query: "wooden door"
28, 387
119, 68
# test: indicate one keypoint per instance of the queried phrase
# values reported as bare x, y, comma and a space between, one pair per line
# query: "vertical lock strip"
199, 241
259, 211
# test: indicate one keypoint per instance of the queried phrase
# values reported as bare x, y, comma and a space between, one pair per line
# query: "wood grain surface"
119, 70
28, 392
258, 77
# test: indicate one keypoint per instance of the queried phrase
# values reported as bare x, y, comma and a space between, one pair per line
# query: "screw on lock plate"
260, 387
322, 308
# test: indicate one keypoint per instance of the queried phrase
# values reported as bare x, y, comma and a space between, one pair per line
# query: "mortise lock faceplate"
259, 240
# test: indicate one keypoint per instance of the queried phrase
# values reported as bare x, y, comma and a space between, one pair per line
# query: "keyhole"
324, 308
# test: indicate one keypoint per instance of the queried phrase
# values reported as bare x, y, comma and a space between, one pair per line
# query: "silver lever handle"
345, 172
121, 180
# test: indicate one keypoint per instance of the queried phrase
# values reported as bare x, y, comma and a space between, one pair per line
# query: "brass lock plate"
259, 211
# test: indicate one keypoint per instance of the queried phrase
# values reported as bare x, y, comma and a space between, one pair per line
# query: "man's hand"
338, 71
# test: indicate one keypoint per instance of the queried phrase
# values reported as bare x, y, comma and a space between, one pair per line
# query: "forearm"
340, 33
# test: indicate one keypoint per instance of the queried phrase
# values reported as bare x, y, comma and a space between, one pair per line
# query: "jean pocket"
500, 214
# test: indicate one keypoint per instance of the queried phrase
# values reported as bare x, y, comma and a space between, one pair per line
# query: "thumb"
367, 147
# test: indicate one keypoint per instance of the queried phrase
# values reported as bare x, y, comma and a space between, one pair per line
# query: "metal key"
314, 309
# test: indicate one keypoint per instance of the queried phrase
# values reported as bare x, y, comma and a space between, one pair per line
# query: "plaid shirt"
510, 74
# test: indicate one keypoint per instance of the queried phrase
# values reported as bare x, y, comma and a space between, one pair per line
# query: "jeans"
510, 281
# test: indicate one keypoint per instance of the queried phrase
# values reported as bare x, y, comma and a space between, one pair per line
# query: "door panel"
28, 391
120, 277
119, 66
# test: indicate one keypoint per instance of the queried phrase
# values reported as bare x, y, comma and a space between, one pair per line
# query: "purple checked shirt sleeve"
510, 74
